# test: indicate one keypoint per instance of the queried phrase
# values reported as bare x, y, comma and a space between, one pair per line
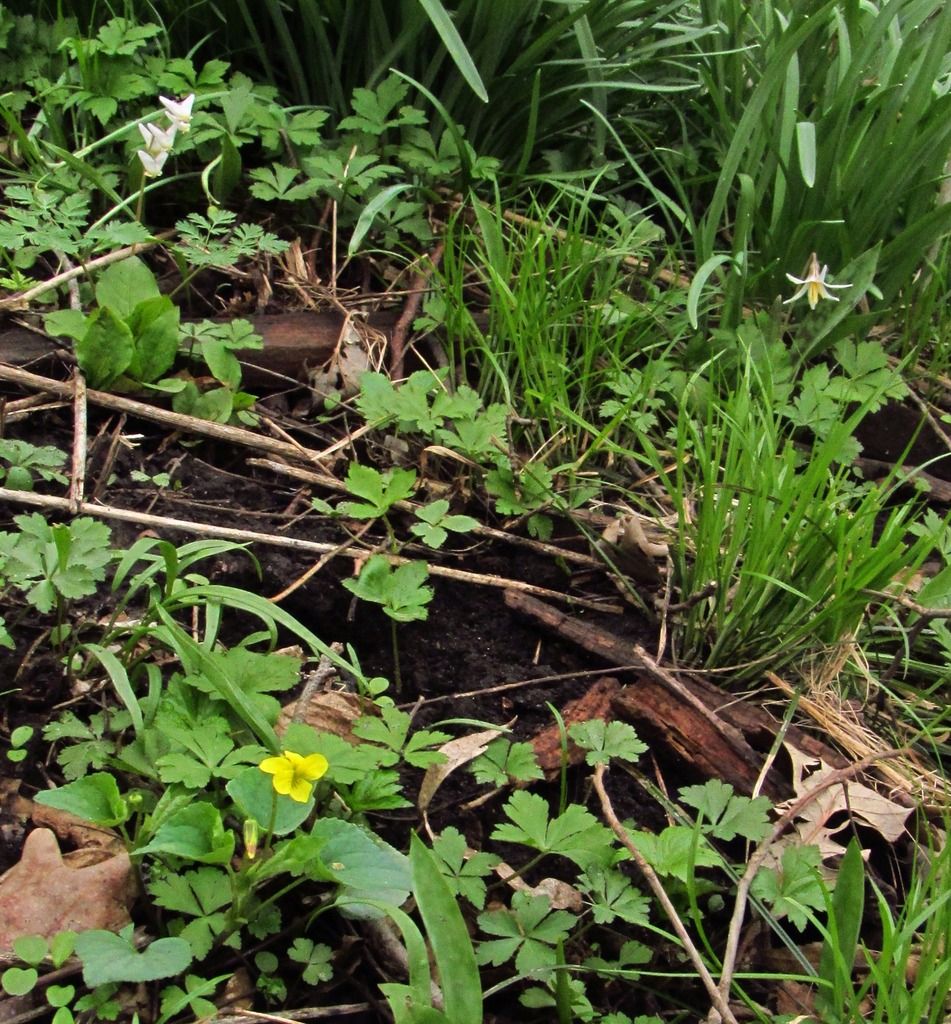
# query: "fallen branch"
21, 300
281, 541
333, 484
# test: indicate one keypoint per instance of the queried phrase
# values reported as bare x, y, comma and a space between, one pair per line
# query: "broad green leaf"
154, 326
195, 832
254, 794
17, 981
93, 798
106, 349
122, 286
66, 323
109, 958
839, 945
365, 866
806, 145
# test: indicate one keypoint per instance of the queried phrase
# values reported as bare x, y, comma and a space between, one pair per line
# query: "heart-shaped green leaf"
109, 958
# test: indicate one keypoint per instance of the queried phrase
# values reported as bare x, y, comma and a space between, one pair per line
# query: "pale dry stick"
835, 778
21, 300
77, 482
175, 420
333, 484
522, 683
650, 876
281, 541
291, 1016
251, 439
318, 565
316, 681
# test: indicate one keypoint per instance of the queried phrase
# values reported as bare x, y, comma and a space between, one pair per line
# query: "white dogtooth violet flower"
814, 285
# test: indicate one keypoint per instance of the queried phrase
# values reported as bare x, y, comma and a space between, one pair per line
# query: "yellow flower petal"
272, 765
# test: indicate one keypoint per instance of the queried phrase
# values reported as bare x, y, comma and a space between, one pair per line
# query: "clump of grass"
556, 317
789, 546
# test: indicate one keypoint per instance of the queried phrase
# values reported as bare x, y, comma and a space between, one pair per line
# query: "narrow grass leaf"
448, 937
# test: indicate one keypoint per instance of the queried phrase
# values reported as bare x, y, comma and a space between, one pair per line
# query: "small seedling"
400, 591
19, 739
435, 522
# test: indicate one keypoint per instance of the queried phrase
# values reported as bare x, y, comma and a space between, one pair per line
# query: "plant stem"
269, 832
397, 676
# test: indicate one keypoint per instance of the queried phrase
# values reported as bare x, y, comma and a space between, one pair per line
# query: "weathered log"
718, 734
292, 342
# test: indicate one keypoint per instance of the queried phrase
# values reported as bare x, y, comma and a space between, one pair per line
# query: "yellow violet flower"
814, 285
294, 774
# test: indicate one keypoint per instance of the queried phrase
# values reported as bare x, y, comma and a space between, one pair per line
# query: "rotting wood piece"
720, 735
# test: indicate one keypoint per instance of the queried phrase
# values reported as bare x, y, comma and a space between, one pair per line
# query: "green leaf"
66, 323
575, 834
530, 932
154, 326
196, 893
365, 866
448, 937
316, 959
614, 896
17, 981
60, 995
729, 814
122, 286
461, 57
106, 349
676, 852
369, 214
109, 958
806, 145
463, 874
381, 490
93, 798
400, 591
254, 794
604, 740
795, 886
840, 943
698, 282
504, 762
31, 949
195, 832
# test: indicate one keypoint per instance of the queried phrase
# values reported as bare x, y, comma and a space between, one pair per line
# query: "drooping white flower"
179, 111
814, 285
157, 140
152, 163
